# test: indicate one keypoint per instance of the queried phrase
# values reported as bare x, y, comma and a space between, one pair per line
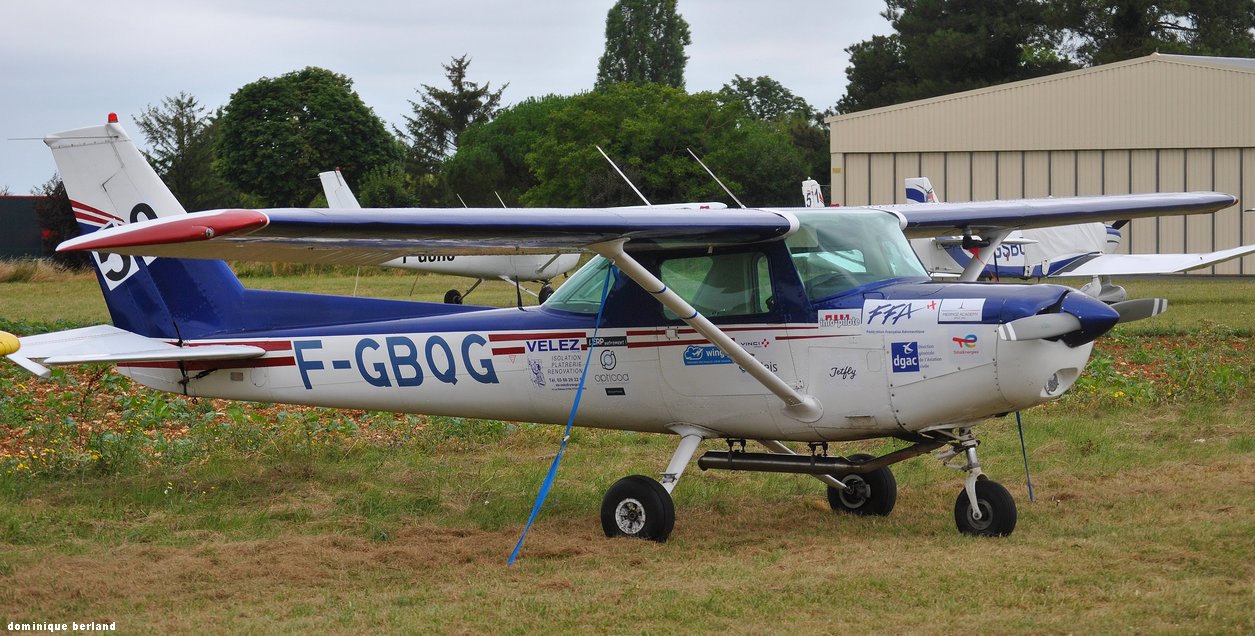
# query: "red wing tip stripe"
180, 229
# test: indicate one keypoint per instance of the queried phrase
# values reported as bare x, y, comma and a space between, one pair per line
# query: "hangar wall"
1113, 129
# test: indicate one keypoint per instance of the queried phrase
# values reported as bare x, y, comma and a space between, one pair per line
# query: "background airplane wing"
373, 236
1119, 264
939, 219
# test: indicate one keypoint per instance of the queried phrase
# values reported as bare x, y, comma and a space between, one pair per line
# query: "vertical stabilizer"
110, 183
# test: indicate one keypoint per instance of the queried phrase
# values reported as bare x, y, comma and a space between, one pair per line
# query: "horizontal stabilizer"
1125, 264
104, 343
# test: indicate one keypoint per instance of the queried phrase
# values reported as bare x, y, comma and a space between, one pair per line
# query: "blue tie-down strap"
566, 435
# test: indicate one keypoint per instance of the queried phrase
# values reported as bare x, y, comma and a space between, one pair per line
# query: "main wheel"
639, 507
997, 510
872, 493
545, 292
453, 297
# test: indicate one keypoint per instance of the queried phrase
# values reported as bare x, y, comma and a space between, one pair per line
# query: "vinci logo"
840, 317
905, 357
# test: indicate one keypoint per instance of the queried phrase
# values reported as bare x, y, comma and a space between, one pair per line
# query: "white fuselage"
869, 384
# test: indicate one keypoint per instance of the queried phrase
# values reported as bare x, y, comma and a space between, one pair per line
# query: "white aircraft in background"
511, 268
771, 325
1079, 250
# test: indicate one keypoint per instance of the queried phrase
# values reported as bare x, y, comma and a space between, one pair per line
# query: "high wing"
373, 236
980, 217
106, 343
1122, 264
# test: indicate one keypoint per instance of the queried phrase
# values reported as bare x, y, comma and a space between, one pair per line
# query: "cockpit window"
835, 251
582, 293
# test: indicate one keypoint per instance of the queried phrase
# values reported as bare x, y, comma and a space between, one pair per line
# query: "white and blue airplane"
770, 325
1082, 250
511, 268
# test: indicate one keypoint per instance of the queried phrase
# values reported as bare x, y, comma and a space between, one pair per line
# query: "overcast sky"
68, 63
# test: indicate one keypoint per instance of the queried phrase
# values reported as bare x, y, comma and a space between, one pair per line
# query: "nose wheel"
984, 508
997, 511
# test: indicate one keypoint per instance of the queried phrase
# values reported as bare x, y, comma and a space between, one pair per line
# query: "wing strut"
804, 408
976, 266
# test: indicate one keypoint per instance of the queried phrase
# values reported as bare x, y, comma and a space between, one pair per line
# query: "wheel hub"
856, 493
629, 515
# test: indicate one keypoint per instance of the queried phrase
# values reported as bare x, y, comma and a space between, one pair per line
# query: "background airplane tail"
110, 183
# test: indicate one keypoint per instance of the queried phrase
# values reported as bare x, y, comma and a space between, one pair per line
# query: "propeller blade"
1039, 326
1141, 308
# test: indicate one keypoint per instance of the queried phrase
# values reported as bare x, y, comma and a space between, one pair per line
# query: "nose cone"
1095, 316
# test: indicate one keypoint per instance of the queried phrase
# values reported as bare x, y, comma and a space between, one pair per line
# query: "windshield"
835, 251
582, 293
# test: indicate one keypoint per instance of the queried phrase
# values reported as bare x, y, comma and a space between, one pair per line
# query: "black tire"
638, 507
873, 493
545, 292
453, 297
997, 508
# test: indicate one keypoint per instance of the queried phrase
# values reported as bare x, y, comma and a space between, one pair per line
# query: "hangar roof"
1157, 101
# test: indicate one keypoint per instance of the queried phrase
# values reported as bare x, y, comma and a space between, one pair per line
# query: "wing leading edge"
373, 236
940, 219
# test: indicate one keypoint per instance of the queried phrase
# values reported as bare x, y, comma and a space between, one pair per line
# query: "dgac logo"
564, 344
968, 342
905, 357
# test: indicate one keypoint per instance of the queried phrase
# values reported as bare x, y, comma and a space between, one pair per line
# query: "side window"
720, 284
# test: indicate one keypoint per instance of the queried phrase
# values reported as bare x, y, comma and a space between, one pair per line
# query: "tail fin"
338, 193
110, 183
920, 190
812, 194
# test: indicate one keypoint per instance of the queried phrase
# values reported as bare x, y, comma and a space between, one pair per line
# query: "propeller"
1141, 308
1039, 326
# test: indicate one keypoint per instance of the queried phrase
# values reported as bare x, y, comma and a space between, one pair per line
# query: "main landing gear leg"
984, 507
640, 507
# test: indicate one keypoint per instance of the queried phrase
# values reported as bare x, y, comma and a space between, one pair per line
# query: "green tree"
1105, 31
541, 152
947, 46
180, 137
645, 42
765, 99
275, 134
442, 115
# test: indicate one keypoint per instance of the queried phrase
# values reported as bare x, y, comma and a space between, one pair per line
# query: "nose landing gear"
983, 508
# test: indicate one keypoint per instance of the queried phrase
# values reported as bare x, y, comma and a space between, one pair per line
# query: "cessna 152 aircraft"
1077, 250
512, 268
771, 325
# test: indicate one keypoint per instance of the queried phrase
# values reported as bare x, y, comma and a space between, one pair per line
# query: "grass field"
169, 515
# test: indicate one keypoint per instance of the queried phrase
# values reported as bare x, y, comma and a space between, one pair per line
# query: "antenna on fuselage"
712, 176
629, 181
